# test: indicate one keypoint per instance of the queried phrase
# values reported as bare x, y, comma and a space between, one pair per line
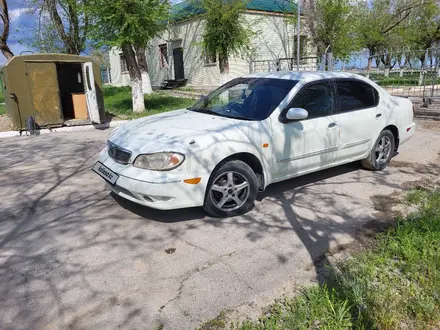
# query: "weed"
217, 323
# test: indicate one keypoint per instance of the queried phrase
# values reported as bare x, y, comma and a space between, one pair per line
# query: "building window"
163, 53
123, 63
210, 59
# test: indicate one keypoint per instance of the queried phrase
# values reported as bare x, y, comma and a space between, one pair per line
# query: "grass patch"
2, 96
117, 101
393, 286
407, 79
2, 109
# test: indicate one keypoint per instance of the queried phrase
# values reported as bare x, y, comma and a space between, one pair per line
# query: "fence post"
330, 62
323, 60
425, 99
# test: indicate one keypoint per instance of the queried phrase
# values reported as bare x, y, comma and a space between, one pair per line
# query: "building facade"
177, 52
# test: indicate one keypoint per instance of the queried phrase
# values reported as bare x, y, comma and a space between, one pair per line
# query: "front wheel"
381, 153
231, 190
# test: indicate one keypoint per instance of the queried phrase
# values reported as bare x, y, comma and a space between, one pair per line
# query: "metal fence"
413, 73
284, 64
106, 77
408, 73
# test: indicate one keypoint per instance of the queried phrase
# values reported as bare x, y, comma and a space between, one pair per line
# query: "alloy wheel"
229, 191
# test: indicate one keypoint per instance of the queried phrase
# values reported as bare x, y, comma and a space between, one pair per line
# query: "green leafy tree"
128, 24
382, 26
330, 23
225, 33
422, 28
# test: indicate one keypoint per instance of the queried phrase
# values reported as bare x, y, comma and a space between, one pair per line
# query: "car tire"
381, 153
231, 190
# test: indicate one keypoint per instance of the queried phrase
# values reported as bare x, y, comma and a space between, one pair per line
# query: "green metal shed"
55, 89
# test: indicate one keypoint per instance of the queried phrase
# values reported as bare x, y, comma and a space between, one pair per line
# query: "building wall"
118, 77
273, 38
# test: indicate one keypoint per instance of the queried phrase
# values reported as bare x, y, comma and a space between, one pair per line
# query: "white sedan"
252, 132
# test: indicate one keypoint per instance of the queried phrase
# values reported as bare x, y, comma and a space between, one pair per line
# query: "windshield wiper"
204, 110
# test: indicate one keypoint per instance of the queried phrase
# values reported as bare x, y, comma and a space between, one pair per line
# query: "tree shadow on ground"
72, 256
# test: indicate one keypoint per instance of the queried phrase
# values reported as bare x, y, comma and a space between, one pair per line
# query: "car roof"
306, 75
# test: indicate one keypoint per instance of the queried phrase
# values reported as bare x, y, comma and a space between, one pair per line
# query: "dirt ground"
5, 123
74, 256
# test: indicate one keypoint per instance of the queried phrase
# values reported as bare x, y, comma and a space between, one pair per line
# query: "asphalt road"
74, 256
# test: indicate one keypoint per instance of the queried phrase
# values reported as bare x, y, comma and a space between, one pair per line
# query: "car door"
359, 117
310, 144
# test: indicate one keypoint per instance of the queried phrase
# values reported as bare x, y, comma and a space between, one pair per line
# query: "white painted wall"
274, 38
118, 78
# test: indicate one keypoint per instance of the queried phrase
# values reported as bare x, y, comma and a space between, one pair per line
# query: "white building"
177, 53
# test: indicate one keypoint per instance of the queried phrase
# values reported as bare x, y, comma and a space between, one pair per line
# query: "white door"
360, 119
310, 144
90, 91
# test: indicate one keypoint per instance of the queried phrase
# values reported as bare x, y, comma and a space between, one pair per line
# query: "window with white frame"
123, 63
163, 53
210, 59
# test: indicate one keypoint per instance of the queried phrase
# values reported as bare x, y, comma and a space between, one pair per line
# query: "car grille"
118, 154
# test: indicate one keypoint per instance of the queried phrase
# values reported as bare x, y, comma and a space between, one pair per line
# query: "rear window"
355, 95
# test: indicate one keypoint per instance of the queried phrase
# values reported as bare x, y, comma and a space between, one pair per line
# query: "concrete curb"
70, 129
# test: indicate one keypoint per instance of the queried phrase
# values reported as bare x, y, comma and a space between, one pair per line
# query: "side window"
355, 95
316, 98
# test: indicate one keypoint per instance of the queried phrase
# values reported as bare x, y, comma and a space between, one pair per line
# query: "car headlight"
161, 161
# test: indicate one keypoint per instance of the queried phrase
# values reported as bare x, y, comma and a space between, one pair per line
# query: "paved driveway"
74, 256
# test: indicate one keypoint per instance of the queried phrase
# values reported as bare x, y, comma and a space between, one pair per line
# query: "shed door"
90, 90
44, 91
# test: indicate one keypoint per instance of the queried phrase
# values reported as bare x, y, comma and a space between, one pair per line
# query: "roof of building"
188, 8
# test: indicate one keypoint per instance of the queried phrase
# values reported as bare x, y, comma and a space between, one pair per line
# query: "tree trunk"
143, 66
4, 14
224, 69
135, 78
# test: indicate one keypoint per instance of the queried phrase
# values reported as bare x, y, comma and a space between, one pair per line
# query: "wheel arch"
251, 160
395, 132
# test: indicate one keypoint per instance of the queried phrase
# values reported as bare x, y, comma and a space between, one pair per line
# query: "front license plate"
105, 172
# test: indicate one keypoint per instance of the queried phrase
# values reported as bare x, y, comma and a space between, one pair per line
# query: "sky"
21, 23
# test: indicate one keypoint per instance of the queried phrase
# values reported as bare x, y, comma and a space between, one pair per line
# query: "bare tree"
62, 26
5, 33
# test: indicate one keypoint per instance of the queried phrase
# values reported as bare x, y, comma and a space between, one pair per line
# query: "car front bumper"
163, 190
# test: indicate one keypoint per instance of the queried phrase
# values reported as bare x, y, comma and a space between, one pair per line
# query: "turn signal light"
192, 181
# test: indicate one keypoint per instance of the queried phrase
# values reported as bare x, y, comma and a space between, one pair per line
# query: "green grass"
2, 106
392, 286
408, 79
117, 101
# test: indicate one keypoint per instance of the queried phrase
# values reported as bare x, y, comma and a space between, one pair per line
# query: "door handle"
331, 125
378, 115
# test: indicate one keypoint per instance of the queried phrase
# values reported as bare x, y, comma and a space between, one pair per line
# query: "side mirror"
296, 114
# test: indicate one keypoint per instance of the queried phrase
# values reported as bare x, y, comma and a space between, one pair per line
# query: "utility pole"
298, 8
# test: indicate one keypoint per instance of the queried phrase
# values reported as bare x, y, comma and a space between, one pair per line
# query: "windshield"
246, 98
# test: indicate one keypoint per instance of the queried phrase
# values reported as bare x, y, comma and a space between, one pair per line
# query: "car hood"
173, 131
